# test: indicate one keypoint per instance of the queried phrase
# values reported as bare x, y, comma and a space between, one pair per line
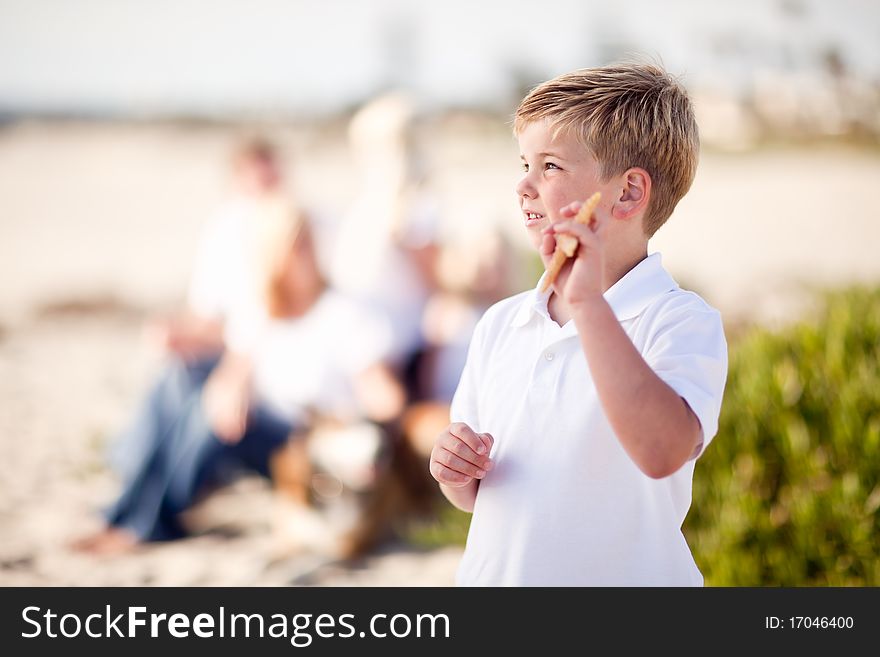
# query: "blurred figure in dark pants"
279, 350
222, 284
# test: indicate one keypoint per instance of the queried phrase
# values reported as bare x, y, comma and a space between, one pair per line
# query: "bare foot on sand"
107, 542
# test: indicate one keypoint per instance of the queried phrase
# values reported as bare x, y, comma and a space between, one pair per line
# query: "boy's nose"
524, 188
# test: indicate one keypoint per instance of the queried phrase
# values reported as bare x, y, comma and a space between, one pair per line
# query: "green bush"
448, 527
788, 493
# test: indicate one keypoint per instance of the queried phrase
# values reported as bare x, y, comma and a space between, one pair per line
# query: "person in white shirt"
222, 282
384, 249
581, 410
305, 351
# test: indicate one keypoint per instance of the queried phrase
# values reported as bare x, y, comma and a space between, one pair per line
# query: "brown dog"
341, 489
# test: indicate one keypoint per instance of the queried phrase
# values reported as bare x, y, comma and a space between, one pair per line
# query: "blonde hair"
626, 115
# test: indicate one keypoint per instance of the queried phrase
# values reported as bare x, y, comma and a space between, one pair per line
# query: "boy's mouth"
533, 218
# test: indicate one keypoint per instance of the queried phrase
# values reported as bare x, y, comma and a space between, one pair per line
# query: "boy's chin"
535, 236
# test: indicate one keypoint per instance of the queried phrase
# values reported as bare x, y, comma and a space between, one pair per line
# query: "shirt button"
549, 355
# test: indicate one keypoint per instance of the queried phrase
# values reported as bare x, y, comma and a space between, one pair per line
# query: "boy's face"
556, 172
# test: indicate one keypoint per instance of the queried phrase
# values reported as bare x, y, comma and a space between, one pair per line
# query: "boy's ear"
634, 194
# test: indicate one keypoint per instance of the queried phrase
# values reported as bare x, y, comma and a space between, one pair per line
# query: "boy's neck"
614, 270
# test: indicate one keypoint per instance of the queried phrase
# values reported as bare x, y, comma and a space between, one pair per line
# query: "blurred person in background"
288, 356
384, 249
388, 251
222, 284
472, 272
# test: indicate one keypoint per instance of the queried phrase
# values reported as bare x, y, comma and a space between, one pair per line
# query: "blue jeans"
170, 454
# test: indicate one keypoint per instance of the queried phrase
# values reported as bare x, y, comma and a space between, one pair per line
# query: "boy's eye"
550, 165
525, 167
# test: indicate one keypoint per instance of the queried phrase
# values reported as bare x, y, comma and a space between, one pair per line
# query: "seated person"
222, 284
309, 351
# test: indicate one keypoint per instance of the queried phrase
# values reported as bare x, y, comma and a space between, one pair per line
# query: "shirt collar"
628, 297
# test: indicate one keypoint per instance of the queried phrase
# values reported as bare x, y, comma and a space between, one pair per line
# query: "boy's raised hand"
460, 455
581, 277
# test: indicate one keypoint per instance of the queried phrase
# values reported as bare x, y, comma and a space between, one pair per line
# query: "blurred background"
119, 123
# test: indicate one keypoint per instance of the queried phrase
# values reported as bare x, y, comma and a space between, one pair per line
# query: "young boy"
581, 411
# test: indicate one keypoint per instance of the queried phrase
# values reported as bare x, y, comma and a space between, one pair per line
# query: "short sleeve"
464, 402
688, 351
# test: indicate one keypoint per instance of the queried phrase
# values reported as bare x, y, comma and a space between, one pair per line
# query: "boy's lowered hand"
460, 456
459, 460
581, 277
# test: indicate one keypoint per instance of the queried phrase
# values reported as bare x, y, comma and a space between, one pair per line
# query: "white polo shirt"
565, 505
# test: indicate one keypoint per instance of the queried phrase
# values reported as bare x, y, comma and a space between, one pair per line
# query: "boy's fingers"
571, 209
488, 441
583, 233
468, 436
448, 477
458, 464
464, 451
